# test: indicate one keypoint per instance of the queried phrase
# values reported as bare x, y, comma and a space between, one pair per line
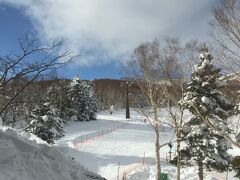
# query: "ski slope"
123, 150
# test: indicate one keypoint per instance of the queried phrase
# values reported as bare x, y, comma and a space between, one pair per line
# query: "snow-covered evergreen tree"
52, 96
90, 107
44, 122
204, 100
82, 100
74, 96
56, 97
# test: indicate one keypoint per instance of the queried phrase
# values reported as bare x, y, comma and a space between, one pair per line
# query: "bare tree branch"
31, 62
226, 26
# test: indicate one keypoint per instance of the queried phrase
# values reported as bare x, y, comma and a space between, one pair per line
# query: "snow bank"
21, 157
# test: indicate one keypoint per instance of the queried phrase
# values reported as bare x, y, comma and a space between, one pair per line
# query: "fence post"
118, 171
125, 176
143, 158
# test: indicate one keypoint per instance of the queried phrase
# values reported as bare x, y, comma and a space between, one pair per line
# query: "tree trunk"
178, 135
157, 151
1, 121
178, 156
200, 170
157, 145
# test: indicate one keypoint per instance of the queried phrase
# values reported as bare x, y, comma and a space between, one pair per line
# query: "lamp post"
170, 151
127, 101
126, 85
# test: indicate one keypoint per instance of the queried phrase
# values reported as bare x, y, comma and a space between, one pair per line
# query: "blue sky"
14, 24
104, 33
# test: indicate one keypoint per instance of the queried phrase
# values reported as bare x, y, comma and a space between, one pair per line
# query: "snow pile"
21, 158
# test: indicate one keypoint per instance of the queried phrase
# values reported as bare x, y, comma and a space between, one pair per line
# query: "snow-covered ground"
25, 157
125, 146
123, 150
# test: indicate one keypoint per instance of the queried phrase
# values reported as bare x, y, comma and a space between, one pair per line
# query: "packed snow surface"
124, 149
25, 157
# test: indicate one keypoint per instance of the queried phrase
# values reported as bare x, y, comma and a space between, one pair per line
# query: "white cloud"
107, 30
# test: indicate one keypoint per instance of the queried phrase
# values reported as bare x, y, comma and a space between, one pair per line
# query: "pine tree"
87, 101
56, 96
82, 100
44, 122
205, 101
73, 98
91, 100
52, 96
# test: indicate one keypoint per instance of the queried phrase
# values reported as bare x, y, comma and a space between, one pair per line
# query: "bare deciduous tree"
160, 72
226, 26
18, 71
180, 58
147, 68
176, 54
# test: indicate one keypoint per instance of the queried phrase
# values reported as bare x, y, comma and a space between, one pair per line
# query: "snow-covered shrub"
44, 122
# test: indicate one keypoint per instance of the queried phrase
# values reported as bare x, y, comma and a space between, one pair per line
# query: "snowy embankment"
26, 157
